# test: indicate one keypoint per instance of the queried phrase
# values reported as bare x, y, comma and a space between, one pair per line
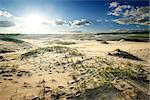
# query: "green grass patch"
116, 72
11, 34
11, 39
55, 49
137, 36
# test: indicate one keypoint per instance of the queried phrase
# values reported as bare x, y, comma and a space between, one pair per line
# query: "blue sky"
70, 15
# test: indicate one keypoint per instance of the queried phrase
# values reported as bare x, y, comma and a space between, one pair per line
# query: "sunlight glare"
33, 23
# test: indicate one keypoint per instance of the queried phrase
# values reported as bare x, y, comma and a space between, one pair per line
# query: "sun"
33, 23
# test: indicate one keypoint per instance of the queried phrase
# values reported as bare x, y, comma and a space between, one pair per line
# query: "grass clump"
55, 49
102, 77
35, 52
116, 72
100, 73
65, 43
30, 53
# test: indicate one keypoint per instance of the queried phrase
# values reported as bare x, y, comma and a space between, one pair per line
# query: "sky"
73, 16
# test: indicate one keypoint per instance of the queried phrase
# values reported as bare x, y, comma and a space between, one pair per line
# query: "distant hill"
130, 32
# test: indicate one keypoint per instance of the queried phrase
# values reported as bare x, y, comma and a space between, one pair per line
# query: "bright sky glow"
33, 23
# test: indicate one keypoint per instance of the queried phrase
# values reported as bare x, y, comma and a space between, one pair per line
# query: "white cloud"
113, 4
141, 20
118, 10
99, 20
125, 6
106, 20
79, 23
6, 24
127, 13
71, 31
21, 22
73, 23
130, 14
102, 20
120, 30
5, 13
114, 13
60, 22
140, 11
125, 30
56, 22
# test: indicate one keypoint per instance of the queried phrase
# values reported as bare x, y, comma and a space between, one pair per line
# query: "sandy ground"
54, 76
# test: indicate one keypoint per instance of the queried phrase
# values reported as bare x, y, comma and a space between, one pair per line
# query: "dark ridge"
116, 33
124, 54
137, 40
6, 51
11, 34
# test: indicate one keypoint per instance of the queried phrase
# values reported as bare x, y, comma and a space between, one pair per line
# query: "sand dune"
53, 69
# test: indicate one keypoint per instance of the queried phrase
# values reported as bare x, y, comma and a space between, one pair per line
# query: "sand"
51, 75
